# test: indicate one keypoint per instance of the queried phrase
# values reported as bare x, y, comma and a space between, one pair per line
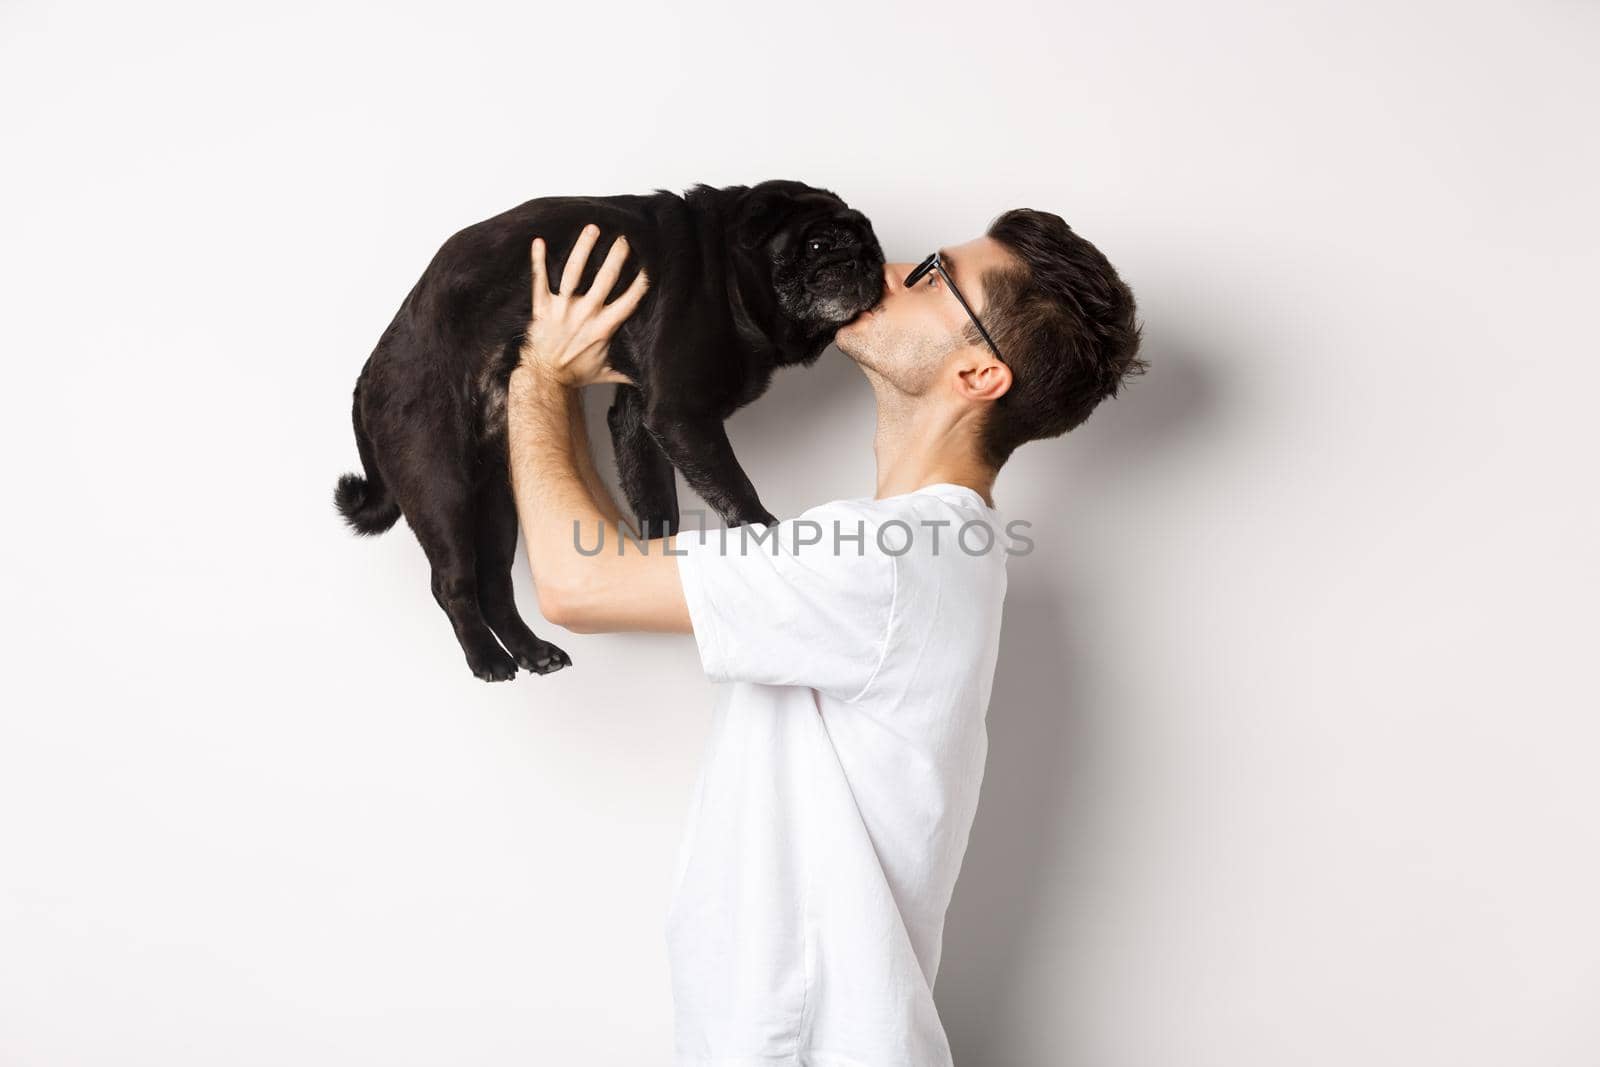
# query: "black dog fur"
744, 279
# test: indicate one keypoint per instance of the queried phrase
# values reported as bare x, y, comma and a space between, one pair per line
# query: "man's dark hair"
1064, 323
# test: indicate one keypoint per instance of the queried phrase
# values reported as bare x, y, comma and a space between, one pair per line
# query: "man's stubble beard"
907, 363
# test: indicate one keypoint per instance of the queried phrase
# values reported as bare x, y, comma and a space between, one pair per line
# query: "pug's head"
821, 257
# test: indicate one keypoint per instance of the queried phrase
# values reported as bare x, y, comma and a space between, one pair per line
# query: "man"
858, 641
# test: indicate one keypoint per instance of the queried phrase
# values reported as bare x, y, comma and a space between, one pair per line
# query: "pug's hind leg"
443, 522
646, 474
699, 447
496, 522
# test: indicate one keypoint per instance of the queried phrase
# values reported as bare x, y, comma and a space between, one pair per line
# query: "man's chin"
846, 336
860, 319
853, 343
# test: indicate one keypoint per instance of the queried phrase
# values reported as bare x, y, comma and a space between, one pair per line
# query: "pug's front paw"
764, 517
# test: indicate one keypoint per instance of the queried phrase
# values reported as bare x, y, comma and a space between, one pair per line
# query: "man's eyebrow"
949, 264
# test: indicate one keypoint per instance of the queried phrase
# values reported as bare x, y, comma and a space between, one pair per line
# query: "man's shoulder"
925, 524
931, 522
942, 498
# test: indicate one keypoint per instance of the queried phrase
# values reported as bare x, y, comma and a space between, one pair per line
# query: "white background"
1293, 738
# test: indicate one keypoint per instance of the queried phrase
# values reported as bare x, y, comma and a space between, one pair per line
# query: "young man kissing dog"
831, 815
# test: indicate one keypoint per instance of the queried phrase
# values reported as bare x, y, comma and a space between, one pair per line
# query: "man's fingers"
620, 308
609, 271
578, 259
541, 284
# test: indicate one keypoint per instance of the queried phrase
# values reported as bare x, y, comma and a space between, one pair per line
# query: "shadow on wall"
1042, 807
1175, 398
1040, 748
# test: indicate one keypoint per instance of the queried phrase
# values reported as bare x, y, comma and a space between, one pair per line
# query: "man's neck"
917, 445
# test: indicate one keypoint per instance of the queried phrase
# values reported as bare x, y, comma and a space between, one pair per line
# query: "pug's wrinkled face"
826, 263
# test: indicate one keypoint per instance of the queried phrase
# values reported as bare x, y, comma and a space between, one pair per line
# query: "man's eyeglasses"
933, 263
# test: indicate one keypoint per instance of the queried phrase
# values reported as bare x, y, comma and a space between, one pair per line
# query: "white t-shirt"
840, 778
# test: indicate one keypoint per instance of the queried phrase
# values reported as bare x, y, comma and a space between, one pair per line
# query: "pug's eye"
814, 245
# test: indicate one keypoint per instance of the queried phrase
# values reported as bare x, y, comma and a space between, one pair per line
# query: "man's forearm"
583, 453
548, 453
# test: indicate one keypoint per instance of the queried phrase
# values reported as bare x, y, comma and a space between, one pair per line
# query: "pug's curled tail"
365, 503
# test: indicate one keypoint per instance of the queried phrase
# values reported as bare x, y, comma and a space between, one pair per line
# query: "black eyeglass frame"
933, 262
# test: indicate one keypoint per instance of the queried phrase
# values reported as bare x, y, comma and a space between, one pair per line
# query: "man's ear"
759, 214
984, 379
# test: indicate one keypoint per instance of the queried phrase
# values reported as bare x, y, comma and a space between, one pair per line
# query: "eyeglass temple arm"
968, 309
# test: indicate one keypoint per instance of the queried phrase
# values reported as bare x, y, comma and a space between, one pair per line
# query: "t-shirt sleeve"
807, 601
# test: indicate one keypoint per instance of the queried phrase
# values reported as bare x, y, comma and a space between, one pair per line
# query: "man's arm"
551, 477
578, 433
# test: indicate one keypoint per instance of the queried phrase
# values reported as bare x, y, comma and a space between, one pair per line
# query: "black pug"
743, 280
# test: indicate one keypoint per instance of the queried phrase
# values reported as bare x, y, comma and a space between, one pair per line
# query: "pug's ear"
761, 212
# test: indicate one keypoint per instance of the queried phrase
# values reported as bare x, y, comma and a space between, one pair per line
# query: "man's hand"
569, 337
